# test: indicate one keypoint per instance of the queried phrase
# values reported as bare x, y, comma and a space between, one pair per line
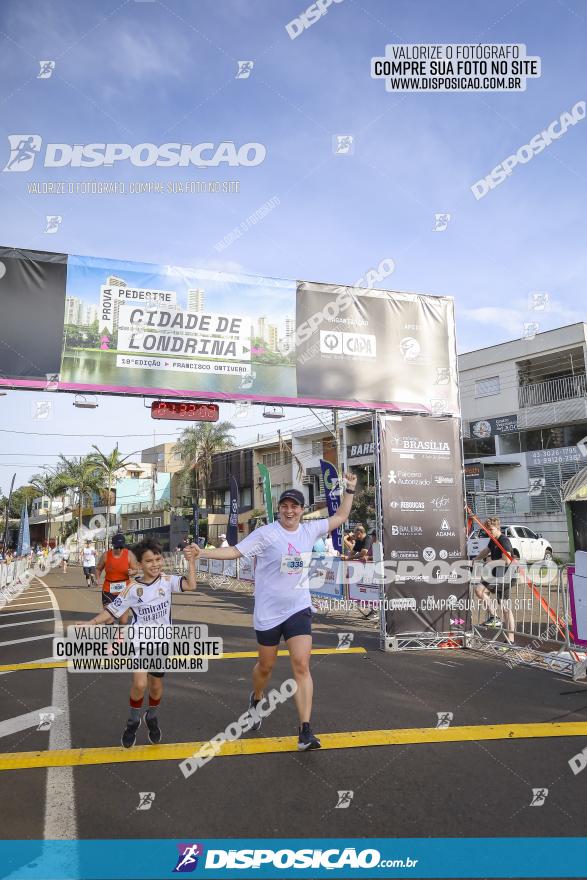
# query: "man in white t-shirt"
89, 563
283, 604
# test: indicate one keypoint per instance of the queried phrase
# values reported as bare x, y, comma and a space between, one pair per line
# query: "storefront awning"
575, 489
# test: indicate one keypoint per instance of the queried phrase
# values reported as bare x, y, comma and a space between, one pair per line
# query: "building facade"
524, 410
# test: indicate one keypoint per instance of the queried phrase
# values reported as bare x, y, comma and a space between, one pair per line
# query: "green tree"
20, 496
108, 463
364, 506
82, 474
50, 485
196, 446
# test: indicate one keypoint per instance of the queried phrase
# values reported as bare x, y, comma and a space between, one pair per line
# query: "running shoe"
129, 736
494, 622
154, 734
253, 703
306, 739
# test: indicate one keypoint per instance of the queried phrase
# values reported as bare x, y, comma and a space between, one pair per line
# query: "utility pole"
336, 433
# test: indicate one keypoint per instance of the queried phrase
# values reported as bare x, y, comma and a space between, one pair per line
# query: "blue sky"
157, 72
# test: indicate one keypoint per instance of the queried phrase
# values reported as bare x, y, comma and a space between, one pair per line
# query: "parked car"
527, 545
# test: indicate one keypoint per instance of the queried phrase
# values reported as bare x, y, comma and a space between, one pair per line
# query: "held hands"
192, 551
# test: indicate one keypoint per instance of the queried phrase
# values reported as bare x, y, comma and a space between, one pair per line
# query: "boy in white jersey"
283, 605
148, 598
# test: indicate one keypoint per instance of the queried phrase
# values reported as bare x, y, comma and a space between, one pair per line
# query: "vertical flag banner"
332, 493
23, 547
232, 530
266, 477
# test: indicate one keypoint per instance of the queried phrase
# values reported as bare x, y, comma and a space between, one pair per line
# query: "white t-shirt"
89, 557
149, 603
281, 583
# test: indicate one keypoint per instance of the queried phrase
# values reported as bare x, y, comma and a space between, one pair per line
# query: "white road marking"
60, 813
16, 613
27, 622
22, 641
23, 722
29, 604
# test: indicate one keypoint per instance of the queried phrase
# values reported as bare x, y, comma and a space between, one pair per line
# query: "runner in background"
89, 564
118, 565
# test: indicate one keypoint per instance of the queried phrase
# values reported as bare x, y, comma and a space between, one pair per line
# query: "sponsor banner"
157, 330
490, 427
246, 569
325, 575
203, 564
368, 589
332, 488
381, 857
385, 346
423, 518
215, 566
230, 568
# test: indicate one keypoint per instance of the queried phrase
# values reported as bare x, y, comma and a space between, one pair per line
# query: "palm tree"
82, 474
50, 485
108, 463
197, 445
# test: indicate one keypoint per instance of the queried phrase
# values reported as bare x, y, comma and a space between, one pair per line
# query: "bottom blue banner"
530, 857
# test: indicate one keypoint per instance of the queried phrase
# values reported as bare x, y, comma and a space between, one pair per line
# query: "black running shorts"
299, 624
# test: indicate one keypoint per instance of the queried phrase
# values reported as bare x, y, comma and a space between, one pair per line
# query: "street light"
81, 402
273, 412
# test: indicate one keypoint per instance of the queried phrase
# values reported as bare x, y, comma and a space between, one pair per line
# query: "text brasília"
236, 729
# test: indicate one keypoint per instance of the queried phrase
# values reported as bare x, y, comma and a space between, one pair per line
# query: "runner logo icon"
23, 151
187, 860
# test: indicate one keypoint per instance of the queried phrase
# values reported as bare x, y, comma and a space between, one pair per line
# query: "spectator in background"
494, 590
223, 541
362, 544
348, 542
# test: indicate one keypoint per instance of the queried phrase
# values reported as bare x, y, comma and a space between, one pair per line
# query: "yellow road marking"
272, 745
229, 655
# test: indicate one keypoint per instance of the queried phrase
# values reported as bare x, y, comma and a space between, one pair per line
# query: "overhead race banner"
120, 327
423, 524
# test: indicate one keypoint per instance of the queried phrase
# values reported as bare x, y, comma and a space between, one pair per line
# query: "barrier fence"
538, 598
326, 576
11, 571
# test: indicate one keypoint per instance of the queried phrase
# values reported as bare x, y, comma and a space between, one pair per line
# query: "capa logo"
24, 149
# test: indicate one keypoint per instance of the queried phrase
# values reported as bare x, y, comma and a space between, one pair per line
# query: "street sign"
188, 412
